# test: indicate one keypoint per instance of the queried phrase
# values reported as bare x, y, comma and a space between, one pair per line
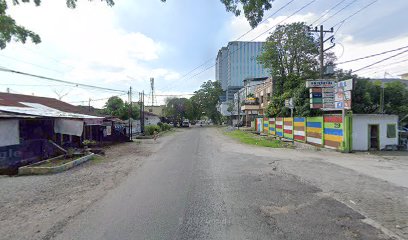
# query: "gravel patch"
38, 207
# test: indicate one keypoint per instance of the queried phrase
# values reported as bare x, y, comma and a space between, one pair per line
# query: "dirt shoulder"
38, 207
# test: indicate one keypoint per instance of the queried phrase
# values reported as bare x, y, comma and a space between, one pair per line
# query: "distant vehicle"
185, 123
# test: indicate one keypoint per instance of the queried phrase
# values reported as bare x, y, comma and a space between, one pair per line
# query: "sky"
125, 45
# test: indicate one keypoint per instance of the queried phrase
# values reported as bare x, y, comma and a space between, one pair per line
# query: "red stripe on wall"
333, 119
287, 131
299, 128
279, 126
287, 123
314, 135
300, 138
331, 143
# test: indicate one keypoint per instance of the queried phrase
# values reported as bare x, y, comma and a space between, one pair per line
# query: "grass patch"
58, 162
252, 139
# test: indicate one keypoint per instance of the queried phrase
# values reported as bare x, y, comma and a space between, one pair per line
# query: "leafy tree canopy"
116, 107
10, 30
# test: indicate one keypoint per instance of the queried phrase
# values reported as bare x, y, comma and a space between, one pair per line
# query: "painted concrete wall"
272, 126
9, 133
360, 130
288, 128
299, 129
314, 131
279, 126
333, 131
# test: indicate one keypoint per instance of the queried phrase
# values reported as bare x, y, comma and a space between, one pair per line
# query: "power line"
100, 99
324, 14
300, 9
382, 60
352, 15
385, 66
58, 80
373, 55
340, 10
32, 64
210, 59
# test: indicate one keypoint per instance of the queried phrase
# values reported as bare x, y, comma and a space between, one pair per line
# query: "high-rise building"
237, 62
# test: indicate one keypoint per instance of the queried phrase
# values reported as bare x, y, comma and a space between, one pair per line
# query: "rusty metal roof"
40, 106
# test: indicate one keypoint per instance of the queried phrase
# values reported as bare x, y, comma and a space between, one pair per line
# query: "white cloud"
353, 50
239, 25
87, 46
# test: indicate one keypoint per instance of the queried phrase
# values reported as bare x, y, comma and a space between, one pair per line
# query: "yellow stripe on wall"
314, 130
333, 138
299, 124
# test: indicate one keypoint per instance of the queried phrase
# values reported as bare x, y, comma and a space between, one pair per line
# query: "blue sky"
127, 44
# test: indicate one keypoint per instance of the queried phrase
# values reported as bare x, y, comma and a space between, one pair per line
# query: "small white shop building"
374, 131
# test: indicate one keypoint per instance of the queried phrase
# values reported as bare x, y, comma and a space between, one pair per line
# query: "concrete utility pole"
321, 31
239, 112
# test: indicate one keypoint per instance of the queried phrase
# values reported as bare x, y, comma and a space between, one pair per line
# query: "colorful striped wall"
288, 128
319, 131
279, 126
272, 130
314, 130
299, 129
333, 131
266, 125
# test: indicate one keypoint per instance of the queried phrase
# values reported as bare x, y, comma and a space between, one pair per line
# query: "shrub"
164, 127
149, 130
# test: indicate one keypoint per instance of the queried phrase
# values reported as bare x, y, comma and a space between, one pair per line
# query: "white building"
374, 131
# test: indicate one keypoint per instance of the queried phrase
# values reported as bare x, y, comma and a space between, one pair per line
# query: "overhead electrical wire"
373, 55
352, 15
340, 10
58, 80
380, 61
326, 12
269, 16
300, 9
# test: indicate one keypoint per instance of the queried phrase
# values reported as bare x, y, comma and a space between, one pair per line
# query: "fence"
323, 131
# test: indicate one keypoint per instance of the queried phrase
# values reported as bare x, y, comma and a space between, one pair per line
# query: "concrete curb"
34, 170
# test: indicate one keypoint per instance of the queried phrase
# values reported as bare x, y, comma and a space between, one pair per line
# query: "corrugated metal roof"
15, 100
13, 115
37, 109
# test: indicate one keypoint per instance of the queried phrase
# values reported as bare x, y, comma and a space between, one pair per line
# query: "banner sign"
346, 85
320, 83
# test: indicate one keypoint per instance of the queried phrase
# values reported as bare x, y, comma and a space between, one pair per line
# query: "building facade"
236, 62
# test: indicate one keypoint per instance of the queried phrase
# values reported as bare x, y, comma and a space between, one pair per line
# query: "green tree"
253, 9
206, 99
116, 107
290, 55
178, 109
10, 30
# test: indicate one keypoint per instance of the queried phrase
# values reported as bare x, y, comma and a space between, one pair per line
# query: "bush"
165, 127
149, 130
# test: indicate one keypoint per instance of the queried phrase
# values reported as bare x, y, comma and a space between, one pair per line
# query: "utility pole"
89, 105
321, 31
239, 112
142, 118
130, 114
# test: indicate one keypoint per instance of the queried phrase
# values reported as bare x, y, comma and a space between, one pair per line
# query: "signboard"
289, 103
346, 85
320, 83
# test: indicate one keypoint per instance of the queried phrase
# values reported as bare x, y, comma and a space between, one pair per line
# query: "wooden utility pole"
321, 31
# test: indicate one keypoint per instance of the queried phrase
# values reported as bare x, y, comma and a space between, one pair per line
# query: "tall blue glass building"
237, 62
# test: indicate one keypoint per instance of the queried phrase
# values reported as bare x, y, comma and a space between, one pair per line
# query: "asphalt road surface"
195, 189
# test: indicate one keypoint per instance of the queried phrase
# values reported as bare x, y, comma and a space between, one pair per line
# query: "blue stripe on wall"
331, 131
299, 119
280, 134
314, 124
272, 129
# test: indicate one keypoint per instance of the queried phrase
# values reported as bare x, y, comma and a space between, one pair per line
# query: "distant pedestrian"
155, 135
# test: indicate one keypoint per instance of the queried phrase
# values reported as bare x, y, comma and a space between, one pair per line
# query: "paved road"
193, 189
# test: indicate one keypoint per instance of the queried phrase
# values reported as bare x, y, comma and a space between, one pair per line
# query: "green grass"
252, 139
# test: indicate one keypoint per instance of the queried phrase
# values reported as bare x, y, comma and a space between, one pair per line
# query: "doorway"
373, 137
